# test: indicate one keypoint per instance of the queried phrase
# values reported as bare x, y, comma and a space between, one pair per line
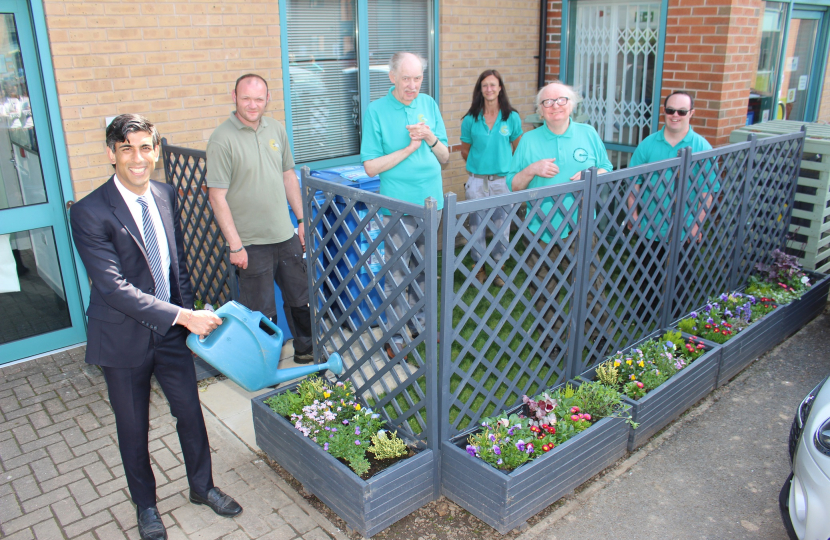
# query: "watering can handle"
271, 325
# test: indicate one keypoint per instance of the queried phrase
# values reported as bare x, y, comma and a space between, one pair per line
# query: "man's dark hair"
249, 76
682, 93
124, 125
477, 107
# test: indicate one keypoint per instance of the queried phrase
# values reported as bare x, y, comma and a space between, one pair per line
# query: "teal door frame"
37, 63
822, 47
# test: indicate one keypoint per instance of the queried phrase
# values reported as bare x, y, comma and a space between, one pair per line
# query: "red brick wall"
554, 37
711, 51
824, 105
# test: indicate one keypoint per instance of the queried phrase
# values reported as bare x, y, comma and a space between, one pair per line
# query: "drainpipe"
543, 38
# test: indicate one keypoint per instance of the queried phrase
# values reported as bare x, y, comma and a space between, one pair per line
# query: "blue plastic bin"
354, 176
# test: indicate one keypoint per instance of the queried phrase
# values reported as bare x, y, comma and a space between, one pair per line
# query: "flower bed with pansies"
519, 462
661, 377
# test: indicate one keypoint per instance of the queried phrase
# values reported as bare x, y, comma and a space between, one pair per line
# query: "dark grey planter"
666, 403
368, 506
758, 338
505, 501
203, 369
800, 312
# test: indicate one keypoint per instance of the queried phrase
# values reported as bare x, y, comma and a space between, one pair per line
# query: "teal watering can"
247, 354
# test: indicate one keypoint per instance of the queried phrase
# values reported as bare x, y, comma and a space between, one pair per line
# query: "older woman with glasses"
490, 131
556, 152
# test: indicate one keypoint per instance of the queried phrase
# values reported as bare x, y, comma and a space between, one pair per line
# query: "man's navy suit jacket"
123, 312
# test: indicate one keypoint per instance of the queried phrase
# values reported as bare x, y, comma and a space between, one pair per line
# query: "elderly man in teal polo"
405, 142
554, 153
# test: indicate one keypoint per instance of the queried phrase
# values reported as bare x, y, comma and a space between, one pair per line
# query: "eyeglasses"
561, 101
681, 112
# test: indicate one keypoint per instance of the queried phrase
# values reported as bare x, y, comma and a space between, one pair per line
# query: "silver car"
805, 498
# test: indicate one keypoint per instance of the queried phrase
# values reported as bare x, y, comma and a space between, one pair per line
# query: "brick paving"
61, 475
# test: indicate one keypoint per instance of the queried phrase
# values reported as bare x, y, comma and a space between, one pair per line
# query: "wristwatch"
433, 144
299, 220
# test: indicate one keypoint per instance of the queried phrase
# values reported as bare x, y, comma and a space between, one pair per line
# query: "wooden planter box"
368, 506
800, 312
505, 501
666, 403
758, 338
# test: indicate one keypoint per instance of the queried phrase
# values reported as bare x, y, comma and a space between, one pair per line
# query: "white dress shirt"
135, 209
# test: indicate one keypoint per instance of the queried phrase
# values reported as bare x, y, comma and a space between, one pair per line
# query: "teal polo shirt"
578, 149
384, 131
490, 149
655, 148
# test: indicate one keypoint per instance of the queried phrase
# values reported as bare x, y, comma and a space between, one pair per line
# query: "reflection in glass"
771, 33
32, 298
21, 178
322, 63
798, 65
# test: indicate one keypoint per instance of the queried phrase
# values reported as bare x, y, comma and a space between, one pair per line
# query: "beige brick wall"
478, 35
176, 62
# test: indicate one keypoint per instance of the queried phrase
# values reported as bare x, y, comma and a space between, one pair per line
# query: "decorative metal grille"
615, 54
355, 254
208, 258
658, 241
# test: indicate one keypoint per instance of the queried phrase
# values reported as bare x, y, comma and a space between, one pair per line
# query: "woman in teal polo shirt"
490, 132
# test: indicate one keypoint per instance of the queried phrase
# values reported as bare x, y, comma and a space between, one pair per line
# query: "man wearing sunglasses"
677, 133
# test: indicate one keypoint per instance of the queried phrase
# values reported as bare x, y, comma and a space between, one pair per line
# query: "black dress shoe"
222, 504
150, 526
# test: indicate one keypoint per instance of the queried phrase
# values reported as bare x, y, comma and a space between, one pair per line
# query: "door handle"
69, 204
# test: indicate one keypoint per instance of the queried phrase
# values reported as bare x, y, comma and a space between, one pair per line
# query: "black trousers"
129, 390
282, 263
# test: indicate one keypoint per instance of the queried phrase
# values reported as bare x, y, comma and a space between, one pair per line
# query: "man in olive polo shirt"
405, 142
252, 180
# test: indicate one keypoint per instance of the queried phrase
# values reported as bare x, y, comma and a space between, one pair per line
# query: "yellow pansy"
629, 361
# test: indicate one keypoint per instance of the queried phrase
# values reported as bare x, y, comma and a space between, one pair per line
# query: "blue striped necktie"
153, 254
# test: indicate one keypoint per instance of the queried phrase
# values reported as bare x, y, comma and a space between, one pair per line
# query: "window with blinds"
324, 67
396, 25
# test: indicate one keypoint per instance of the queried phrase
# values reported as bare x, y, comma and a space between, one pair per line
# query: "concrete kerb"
587, 491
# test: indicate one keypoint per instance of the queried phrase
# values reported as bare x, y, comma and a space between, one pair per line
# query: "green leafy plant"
385, 446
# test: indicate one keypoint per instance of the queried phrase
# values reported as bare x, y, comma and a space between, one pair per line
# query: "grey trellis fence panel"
659, 239
208, 258
499, 343
772, 179
353, 313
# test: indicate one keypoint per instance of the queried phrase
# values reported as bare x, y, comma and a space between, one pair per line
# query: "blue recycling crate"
354, 176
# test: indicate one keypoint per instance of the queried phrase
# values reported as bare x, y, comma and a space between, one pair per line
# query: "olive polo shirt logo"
273, 144
504, 130
581, 155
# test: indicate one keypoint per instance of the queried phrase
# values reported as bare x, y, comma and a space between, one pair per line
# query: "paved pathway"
61, 474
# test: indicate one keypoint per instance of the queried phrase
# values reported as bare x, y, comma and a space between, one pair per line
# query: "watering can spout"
246, 348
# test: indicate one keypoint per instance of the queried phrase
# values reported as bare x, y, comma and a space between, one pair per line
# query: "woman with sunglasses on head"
490, 132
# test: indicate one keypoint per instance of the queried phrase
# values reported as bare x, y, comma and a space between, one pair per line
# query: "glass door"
40, 305
798, 85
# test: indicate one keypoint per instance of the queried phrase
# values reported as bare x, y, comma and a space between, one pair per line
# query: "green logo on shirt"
504, 131
581, 155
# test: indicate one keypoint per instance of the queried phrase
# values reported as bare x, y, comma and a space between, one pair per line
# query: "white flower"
805, 280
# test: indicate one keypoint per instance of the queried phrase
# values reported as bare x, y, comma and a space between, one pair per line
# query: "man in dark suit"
128, 235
